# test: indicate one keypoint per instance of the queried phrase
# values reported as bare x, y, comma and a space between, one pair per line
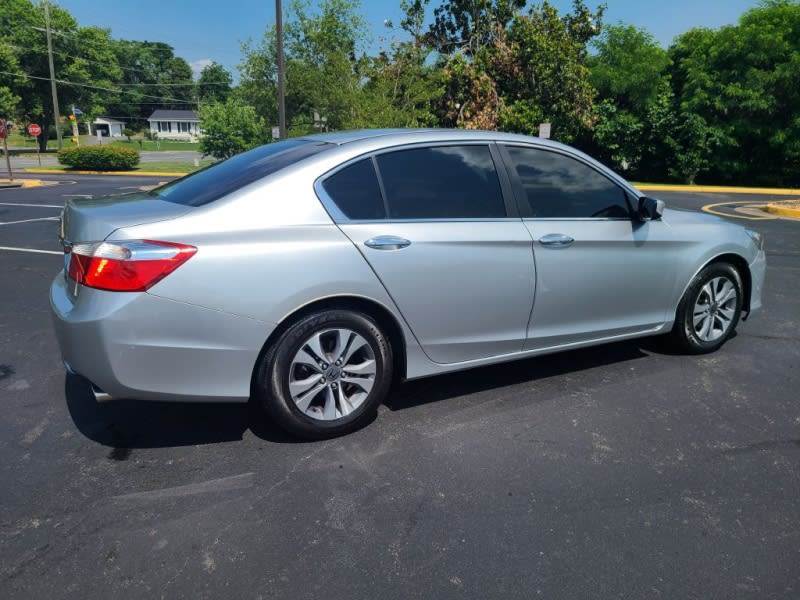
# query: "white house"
109, 127
174, 124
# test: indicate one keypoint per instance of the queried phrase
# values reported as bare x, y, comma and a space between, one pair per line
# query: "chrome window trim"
339, 217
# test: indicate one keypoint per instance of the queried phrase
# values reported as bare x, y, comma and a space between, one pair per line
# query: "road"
625, 471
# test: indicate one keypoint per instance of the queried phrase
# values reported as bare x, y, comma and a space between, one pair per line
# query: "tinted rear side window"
560, 187
227, 176
356, 192
448, 182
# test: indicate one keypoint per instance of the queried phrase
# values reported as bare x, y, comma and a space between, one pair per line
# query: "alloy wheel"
332, 374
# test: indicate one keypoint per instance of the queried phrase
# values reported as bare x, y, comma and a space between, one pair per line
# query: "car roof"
399, 136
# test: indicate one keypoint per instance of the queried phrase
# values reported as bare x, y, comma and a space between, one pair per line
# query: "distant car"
313, 272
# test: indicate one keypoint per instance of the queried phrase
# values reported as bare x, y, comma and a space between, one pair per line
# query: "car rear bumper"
142, 346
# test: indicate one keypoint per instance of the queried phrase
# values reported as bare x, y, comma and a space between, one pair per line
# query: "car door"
600, 273
433, 223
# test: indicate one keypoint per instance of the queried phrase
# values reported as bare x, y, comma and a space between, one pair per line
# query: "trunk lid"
94, 219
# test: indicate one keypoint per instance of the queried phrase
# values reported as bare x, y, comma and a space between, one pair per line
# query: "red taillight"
133, 266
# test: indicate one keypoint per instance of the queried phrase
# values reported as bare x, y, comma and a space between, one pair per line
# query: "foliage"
533, 71
82, 55
403, 86
214, 84
629, 73
151, 77
231, 128
8, 99
99, 158
739, 90
468, 26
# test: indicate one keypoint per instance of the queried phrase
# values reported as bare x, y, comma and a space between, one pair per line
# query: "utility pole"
52, 73
281, 71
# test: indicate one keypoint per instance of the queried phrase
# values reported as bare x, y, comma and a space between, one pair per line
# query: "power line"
89, 60
97, 87
118, 66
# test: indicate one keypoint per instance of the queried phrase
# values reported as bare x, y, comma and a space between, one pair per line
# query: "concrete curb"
21, 183
783, 211
114, 173
715, 189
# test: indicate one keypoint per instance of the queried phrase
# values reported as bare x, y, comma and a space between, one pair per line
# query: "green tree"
738, 93
324, 67
214, 84
628, 67
534, 71
9, 101
629, 72
83, 56
467, 26
230, 128
151, 77
403, 86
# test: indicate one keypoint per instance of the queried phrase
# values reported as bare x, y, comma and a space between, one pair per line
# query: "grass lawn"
156, 145
17, 140
156, 167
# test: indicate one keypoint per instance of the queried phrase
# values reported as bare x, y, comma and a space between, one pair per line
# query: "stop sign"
34, 129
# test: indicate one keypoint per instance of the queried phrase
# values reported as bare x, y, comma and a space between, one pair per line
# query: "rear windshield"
222, 178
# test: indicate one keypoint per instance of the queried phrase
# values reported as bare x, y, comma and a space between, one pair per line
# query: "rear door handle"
387, 242
557, 240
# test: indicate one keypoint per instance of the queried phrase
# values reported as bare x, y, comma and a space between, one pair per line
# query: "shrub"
99, 158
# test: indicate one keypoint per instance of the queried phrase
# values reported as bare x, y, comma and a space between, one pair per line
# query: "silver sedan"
313, 272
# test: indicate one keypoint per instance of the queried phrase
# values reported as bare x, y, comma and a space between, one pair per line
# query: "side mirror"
649, 209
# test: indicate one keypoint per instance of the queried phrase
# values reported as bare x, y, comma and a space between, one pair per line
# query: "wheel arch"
380, 313
741, 266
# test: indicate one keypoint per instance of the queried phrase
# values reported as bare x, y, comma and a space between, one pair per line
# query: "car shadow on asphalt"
423, 391
124, 425
128, 424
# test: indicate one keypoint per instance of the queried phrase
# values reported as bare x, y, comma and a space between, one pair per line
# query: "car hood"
94, 219
682, 216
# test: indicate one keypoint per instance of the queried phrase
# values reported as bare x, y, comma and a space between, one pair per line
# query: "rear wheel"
709, 310
326, 374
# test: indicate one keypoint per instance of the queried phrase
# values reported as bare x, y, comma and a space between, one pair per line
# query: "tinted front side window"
448, 182
559, 187
356, 192
222, 178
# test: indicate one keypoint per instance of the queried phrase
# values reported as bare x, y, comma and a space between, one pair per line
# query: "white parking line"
32, 250
30, 220
32, 205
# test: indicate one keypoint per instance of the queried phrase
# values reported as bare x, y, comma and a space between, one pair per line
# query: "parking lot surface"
620, 471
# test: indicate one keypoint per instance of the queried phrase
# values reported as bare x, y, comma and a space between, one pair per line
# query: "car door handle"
557, 240
387, 242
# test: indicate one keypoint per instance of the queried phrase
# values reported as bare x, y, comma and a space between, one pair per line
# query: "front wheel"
326, 374
709, 310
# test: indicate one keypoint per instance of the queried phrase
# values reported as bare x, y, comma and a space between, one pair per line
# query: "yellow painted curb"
126, 173
715, 189
25, 183
783, 211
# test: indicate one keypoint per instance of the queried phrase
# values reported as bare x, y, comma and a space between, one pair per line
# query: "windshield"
222, 178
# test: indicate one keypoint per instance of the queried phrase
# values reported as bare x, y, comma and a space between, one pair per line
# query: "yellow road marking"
709, 208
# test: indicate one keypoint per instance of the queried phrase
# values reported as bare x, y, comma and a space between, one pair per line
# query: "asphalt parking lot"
623, 471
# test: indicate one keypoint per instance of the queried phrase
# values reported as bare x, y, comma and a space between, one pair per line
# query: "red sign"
34, 129
2, 129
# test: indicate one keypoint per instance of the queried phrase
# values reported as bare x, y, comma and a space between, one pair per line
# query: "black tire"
685, 334
276, 367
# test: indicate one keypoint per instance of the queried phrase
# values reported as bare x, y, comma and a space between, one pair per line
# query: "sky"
202, 31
